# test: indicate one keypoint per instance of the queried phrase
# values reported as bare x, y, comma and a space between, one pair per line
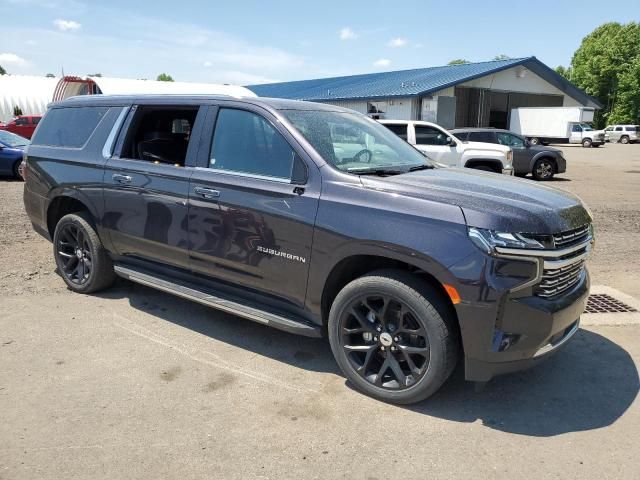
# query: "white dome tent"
70, 86
31, 94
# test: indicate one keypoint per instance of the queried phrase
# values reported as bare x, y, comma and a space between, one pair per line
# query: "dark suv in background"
316, 220
541, 161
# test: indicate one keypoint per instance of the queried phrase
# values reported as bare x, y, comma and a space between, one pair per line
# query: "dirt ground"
134, 383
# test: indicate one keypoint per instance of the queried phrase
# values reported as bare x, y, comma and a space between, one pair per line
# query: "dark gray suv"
541, 161
316, 220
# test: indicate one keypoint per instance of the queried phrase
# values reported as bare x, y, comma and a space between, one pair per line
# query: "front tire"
393, 336
544, 169
82, 260
17, 170
587, 143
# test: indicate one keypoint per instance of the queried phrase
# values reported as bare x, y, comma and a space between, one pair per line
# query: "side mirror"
451, 142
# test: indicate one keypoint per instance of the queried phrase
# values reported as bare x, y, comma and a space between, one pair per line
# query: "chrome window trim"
245, 175
107, 149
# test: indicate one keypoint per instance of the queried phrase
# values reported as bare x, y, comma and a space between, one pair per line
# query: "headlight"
488, 240
510, 156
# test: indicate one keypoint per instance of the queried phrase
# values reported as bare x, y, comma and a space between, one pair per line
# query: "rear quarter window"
632, 128
69, 127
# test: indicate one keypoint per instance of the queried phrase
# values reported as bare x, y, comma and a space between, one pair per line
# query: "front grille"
563, 272
570, 236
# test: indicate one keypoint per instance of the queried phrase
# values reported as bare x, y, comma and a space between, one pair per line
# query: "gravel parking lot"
134, 383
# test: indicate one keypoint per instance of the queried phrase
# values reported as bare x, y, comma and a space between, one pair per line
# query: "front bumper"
504, 330
507, 171
561, 164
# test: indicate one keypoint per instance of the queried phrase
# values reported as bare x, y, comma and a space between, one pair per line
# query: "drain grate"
603, 303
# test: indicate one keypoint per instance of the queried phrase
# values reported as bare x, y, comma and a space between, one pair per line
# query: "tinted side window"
486, 137
22, 121
576, 128
509, 140
35, 120
633, 128
399, 130
69, 127
618, 129
463, 136
430, 136
247, 143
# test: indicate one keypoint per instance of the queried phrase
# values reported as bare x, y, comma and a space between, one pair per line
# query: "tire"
17, 170
74, 236
587, 143
381, 343
534, 141
544, 169
624, 139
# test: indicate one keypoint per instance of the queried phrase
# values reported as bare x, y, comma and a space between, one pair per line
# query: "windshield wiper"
376, 171
421, 167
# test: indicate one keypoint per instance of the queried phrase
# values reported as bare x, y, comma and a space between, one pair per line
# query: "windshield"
586, 128
12, 140
355, 143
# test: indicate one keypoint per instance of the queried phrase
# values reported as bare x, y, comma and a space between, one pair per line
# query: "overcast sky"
246, 41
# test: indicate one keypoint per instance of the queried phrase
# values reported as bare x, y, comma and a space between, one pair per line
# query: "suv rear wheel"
82, 260
624, 139
393, 336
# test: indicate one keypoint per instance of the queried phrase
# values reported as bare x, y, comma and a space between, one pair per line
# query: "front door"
576, 133
252, 205
147, 186
435, 143
521, 153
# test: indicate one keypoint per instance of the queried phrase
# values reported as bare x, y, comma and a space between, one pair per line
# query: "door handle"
208, 193
121, 178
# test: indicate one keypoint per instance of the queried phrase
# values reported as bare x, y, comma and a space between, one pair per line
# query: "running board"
219, 302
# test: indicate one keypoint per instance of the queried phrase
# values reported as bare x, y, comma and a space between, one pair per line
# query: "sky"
251, 41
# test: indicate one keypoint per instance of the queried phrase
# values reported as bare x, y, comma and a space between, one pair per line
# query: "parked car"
622, 133
11, 150
312, 219
556, 125
541, 161
440, 145
24, 125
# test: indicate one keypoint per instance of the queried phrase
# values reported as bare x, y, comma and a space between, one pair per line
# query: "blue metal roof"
410, 83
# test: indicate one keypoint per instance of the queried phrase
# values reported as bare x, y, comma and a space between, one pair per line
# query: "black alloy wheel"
384, 342
74, 252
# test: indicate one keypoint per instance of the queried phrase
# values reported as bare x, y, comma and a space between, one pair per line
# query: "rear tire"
624, 139
587, 143
393, 336
82, 260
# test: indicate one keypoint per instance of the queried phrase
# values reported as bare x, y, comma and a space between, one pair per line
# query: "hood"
542, 148
487, 146
492, 201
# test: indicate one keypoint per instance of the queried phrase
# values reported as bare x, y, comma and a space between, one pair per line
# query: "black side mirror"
451, 142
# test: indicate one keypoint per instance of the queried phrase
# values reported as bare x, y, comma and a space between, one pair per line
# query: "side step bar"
219, 302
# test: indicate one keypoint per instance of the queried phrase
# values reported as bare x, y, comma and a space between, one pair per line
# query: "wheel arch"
62, 204
542, 155
493, 163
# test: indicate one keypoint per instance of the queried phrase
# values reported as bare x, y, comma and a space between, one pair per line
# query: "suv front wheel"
393, 336
82, 260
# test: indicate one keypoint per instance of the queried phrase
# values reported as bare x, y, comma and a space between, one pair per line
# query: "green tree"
17, 111
502, 56
164, 77
564, 71
604, 66
458, 61
2, 71
94, 75
50, 75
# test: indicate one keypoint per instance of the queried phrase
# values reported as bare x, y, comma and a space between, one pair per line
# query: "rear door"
616, 134
252, 204
146, 184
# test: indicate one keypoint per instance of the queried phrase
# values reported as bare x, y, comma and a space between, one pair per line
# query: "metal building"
467, 95
30, 94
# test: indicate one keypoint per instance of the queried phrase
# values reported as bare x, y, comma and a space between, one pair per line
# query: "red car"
24, 125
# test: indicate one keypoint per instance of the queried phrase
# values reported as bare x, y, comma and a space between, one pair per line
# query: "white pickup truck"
443, 147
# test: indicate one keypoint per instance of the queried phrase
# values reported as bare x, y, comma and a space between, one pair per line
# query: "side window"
22, 121
576, 128
69, 127
618, 129
399, 129
462, 136
608, 129
160, 134
484, 137
245, 142
426, 135
35, 120
632, 128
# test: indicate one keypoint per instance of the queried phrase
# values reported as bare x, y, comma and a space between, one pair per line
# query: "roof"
411, 83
